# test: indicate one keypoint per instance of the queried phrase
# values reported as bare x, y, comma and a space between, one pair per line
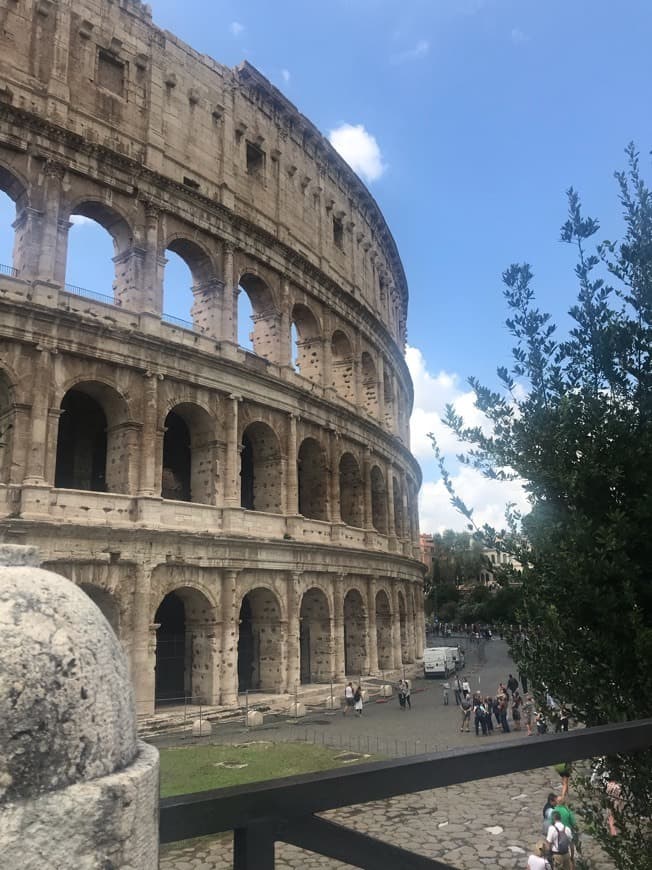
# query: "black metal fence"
286, 810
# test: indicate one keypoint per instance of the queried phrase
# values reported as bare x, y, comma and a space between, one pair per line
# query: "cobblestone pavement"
489, 823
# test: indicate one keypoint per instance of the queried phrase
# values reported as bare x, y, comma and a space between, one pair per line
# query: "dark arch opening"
170, 649
260, 470
355, 634
405, 647
106, 603
81, 444
351, 493
378, 501
176, 459
259, 642
314, 638
312, 481
383, 631
342, 366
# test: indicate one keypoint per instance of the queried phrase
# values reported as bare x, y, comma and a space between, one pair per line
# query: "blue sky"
470, 119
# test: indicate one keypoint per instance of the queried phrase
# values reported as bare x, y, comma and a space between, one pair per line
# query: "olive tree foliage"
573, 420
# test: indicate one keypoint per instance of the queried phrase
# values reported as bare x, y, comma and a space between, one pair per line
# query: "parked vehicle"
438, 661
458, 657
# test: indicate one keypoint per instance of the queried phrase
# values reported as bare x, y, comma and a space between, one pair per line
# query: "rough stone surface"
66, 704
254, 719
386, 691
201, 728
297, 709
17, 554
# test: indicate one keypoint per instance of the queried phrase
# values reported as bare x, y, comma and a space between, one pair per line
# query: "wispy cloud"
236, 28
360, 150
79, 220
417, 52
285, 75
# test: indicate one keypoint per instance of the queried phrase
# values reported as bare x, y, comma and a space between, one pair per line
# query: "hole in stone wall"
89, 259
255, 160
338, 233
7, 217
81, 444
177, 287
176, 459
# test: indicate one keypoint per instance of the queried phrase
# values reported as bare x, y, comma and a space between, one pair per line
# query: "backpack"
563, 843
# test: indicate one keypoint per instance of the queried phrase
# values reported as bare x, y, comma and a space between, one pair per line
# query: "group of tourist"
352, 700
557, 846
507, 704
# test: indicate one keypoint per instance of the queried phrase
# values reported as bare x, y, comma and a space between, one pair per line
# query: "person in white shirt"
538, 860
466, 688
560, 839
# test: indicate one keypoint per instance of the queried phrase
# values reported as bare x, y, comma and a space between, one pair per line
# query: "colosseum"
246, 518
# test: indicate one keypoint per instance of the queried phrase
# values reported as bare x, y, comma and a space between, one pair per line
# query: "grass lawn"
200, 768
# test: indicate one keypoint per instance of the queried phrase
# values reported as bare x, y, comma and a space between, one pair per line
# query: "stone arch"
261, 478
312, 478
265, 335
403, 628
260, 646
315, 638
107, 603
110, 219
378, 500
185, 654
351, 491
399, 513
93, 440
383, 630
195, 301
7, 424
369, 384
343, 370
356, 659
15, 190
14, 185
188, 455
307, 351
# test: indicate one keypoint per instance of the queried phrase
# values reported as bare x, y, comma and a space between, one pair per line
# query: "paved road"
489, 823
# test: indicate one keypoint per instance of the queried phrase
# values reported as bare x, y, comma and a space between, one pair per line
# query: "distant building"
496, 558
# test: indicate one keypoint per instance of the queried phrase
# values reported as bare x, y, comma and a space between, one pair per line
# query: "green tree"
573, 419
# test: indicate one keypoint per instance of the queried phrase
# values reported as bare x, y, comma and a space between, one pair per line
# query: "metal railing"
285, 810
74, 290
178, 321
8, 270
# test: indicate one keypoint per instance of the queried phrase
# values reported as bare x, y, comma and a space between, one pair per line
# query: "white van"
458, 657
438, 661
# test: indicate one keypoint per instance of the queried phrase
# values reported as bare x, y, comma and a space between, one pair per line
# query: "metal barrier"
286, 810
177, 321
8, 270
74, 290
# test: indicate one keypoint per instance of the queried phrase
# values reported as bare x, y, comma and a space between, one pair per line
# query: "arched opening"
399, 514
343, 373
6, 429
383, 631
259, 642
355, 634
388, 400
260, 470
81, 444
7, 218
307, 345
351, 492
378, 501
93, 445
315, 638
369, 385
106, 603
402, 615
313, 502
189, 286
258, 319
185, 659
188, 447
98, 257
13, 200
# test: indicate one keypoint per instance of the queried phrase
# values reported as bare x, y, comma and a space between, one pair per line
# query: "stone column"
380, 391
229, 676
49, 264
396, 628
327, 363
150, 442
41, 383
207, 307
372, 643
334, 478
143, 647
285, 329
52, 429
232, 470
152, 273
366, 483
338, 627
27, 227
293, 652
229, 326
292, 486
391, 520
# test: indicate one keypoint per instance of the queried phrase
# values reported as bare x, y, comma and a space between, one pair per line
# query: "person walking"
348, 699
357, 701
466, 688
406, 689
401, 694
465, 706
559, 838
458, 690
445, 688
537, 859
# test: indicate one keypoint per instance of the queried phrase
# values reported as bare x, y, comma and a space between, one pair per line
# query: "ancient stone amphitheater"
246, 519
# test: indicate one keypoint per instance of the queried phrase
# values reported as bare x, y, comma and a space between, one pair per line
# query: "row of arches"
220, 293
275, 471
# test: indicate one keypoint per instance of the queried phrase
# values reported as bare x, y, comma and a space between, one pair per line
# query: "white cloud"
486, 497
418, 51
236, 28
359, 149
285, 75
80, 220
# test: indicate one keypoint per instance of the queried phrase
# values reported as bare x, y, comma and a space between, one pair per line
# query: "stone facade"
242, 521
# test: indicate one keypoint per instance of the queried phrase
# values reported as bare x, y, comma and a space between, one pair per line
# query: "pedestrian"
465, 705
548, 809
528, 713
348, 699
488, 707
537, 859
480, 721
516, 710
357, 701
503, 715
406, 689
523, 679
466, 688
541, 724
458, 690
512, 684
559, 837
445, 688
401, 694
564, 770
